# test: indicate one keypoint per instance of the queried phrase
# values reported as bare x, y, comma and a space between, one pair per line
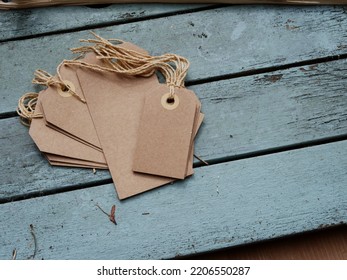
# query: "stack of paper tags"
109, 110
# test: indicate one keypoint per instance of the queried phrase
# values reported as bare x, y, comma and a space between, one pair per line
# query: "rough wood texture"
215, 46
276, 109
43, 3
223, 205
24, 170
28, 22
243, 115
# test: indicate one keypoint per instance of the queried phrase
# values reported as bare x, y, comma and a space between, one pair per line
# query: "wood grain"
215, 46
242, 116
223, 205
32, 22
42, 3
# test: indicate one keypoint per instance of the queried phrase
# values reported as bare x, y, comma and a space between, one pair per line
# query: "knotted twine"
26, 108
123, 61
116, 59
45, 79
27, 103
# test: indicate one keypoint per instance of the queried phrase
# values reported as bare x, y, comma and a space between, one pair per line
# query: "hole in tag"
170, 102
66, 91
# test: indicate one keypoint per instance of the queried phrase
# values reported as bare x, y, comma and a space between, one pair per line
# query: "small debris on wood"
97, 205
292, 27
200, 159
146, 213
14, 254
111, 216
35, 242
94, 170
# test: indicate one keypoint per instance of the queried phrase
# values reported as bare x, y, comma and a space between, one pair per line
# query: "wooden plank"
327, 244
29, 22
25, 171
223, 205
272, 110
217, 42
242, 116
43, 3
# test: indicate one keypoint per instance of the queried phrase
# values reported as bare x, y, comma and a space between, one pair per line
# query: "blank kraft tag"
165, 132
51, 141
67, 114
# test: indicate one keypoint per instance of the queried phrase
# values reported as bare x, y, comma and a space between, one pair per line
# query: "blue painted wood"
32, 22
223, 205
217, 42
242, 116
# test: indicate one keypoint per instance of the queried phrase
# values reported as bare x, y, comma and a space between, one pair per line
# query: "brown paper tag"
50, 141
64, 164
166, 132
115, 103
197, 125
68, 115
71, 162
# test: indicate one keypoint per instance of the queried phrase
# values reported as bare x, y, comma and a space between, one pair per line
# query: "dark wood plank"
31, 22
242, 116
223, 205
327, 244
217, 42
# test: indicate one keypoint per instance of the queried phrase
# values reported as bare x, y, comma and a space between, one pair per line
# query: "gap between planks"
225, 205
252, 72
267, 69
291, 96
212, 162
204, 42
114, 23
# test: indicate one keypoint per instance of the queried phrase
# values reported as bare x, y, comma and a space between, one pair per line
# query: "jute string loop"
116, 59
44, 78
119, 60
27, 103
26, 108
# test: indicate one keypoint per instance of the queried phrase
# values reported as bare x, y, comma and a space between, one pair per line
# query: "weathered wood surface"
28, 22
223, 205
217, 42
242, 116
45, 3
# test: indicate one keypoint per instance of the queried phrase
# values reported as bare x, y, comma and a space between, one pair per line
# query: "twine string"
116, 59
119, 60
44, 78
26, 108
